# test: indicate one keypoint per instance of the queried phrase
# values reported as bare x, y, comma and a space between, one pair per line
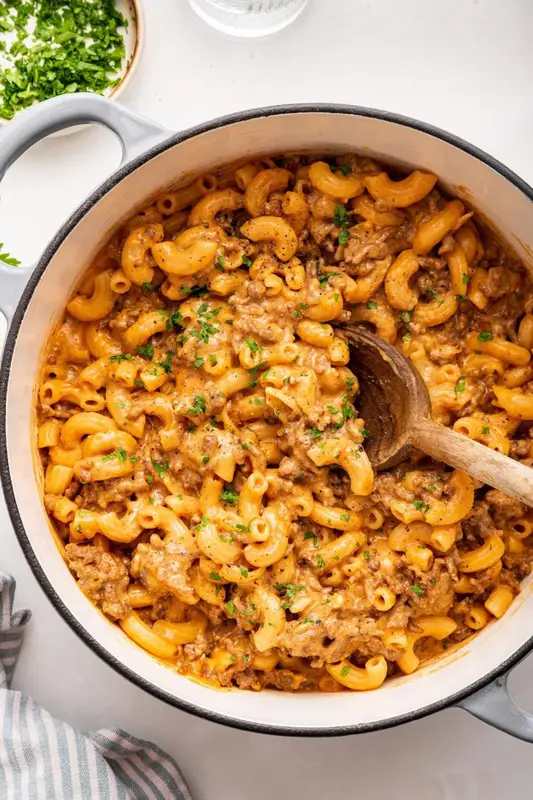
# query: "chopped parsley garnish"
465, 279
205, 459
323, 279
149, 287
340, 217
166, 364
420, 505
315, 433
484, 431
485, 336
345, 517
364, 432
198, 407
219, 263
120, 357
229, 496
215, 576
205, 331
320, 562
371, 304
202, 525
149, 479
343, 236
418, 590
230, 608
344, 671
253, 346
74, 46
313, 536
461, 298
120, 455
160, 468
198, 362
6, 258
244, 572
246, 262
350, 383
366, 555
345, 169
460, 385
242, 528
146, 350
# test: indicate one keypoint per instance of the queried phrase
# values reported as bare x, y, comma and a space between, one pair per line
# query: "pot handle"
494, 705
135, 133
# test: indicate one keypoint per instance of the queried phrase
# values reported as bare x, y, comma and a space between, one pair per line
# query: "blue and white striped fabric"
42, 758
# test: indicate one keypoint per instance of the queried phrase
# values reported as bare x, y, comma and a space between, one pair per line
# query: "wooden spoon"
394, 403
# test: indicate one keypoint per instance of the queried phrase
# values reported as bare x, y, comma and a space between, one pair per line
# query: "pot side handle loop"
135, 133
495, 706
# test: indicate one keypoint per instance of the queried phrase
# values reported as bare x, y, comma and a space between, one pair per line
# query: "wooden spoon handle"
456, 450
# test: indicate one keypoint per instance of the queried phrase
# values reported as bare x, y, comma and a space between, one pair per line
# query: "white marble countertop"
464, 65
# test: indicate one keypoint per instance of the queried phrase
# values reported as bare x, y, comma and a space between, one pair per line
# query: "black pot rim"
5, 476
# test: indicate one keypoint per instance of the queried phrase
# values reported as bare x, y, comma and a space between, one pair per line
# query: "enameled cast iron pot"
475, 677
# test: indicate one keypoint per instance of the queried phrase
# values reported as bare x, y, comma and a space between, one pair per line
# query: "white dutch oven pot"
475, 677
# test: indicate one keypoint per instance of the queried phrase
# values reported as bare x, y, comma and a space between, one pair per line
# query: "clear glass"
248, 18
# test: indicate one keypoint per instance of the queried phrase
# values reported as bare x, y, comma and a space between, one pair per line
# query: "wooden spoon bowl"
394, 403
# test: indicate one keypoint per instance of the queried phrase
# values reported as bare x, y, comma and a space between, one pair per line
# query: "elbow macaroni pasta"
203, 459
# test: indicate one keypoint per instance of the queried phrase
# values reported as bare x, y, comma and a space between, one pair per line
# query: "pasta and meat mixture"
204, 461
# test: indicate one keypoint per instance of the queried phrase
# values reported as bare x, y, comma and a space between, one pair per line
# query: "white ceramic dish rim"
486, 697
136, 17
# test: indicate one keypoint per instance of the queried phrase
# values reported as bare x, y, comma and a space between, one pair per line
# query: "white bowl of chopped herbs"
54, 47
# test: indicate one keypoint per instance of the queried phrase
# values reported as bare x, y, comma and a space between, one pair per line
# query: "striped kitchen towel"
42, 758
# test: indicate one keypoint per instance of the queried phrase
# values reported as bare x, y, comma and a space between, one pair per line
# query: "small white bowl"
133, 12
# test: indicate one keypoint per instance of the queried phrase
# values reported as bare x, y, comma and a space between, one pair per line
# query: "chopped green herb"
177, 319
149, 287
199, 362
484, 431
202, 525
199, 406
418, 590
120, 357
461, 298
315, 433
343, 236
340, 217
325, 276
320, 562
485, 336
6, 258
460, 385
345, 670
230, 608
120, 405
75, 46
345, 517
120, 455
247, 262
345, 169
366, 555
219, 263
146, 350
149, 479
465, 279
365, 433
160, 468
242, 528
205, 459
350, 383
253, 346
166, 364
313, 536
371, 304
229, 496
215, 576
244, 572
420, 505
